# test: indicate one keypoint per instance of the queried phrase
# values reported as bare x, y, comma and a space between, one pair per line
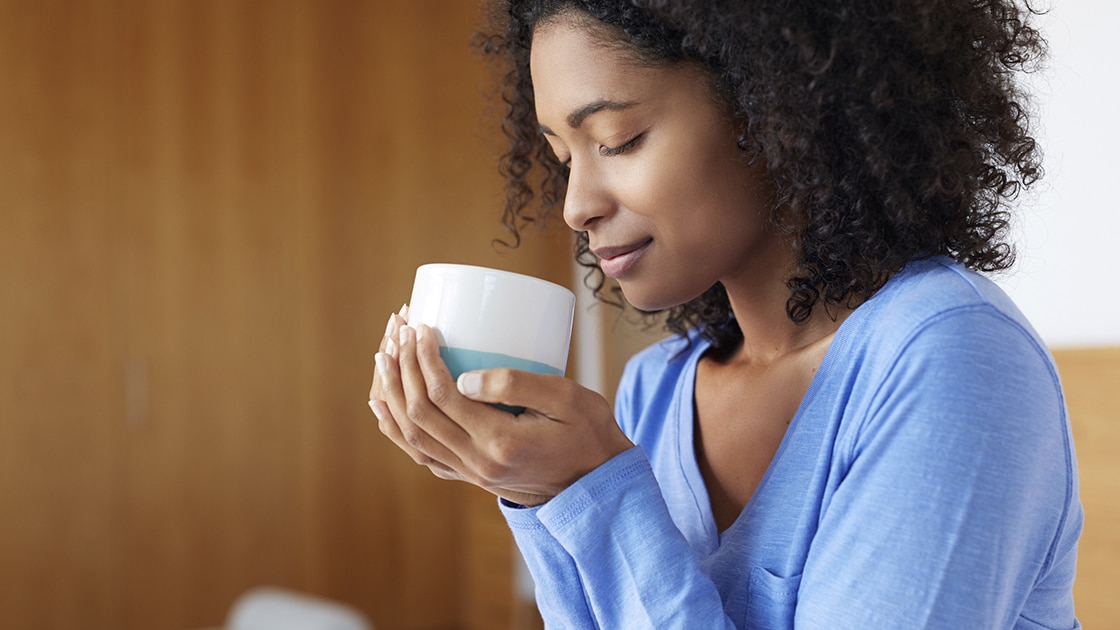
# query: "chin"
653, 301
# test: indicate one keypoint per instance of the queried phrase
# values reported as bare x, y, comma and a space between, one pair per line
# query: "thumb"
470, 385
547, 394
503, 385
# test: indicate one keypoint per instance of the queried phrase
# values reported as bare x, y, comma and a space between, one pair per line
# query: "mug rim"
511, 274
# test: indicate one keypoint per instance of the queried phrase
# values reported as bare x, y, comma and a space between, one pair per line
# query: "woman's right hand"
565, 432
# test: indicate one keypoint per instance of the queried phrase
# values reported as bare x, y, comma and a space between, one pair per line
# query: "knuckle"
572, 398
443, 472
413, 437
579, 398
415, 410
439, 394
503, 451
504, 381
492, 472
383, 426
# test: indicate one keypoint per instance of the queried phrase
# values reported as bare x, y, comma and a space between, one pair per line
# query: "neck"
759, 303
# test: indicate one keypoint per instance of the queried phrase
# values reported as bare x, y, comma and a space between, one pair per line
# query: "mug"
488, 318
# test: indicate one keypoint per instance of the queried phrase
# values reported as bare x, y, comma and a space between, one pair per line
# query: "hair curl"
893, 130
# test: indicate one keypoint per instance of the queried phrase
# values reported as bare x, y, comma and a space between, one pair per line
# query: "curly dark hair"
892, 130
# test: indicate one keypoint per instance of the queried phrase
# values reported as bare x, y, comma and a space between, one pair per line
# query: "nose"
588, 199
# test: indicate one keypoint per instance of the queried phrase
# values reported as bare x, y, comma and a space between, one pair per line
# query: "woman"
850, 428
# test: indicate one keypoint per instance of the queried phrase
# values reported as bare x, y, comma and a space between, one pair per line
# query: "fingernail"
404, 311
376, 409
389, 327
469, 383
405, 332
382, 363
421, 330
391, 348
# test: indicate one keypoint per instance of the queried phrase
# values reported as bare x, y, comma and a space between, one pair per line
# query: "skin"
657, 175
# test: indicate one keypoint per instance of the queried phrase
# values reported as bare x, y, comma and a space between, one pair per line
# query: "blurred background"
208, 209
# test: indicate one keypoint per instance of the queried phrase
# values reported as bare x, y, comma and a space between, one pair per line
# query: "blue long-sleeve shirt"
928, 480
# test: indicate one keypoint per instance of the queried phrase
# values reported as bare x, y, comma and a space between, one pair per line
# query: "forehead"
574, 59
592, 33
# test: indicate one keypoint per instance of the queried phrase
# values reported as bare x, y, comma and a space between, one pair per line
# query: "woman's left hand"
565, 432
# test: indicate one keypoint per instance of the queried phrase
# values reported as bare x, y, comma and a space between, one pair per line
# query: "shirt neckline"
686, 429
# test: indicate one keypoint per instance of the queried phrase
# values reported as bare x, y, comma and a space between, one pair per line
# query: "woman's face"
667, 199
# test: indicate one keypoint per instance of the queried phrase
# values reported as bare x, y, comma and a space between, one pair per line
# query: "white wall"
1066, 280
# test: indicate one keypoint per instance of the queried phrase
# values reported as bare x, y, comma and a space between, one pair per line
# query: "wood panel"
209, 208
405, 177
62, 502
1091, 379
212, 287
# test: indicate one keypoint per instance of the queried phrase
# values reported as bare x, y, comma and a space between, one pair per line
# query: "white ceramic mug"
487, 318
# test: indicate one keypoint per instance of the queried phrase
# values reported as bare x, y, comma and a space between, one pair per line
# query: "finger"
392, 330
442, 390
413, 412
392, 333
388, 346
432, 368
495, 446
547, 394
388, 426
429, 396
394, 421
377, 387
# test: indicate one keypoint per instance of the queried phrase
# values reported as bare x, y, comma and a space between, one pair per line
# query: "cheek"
701, 166
699, 200
665, 189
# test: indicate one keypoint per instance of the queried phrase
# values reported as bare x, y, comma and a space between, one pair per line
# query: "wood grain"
209, 208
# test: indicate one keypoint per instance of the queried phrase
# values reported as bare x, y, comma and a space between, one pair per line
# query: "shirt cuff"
612, 474
606, 480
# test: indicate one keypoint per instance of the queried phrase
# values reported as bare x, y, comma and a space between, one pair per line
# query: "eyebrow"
576, 118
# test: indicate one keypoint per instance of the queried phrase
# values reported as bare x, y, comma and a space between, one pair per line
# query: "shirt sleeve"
606, 554
558, 586
559, 592
946, 514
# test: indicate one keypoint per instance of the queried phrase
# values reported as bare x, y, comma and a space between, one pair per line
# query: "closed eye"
619, 150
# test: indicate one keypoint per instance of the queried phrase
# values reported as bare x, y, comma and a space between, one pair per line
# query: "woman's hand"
566, 431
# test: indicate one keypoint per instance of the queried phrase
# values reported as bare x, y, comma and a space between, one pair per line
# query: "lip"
617, 260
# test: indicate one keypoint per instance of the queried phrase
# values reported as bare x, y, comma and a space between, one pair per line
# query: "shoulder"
943, 350
943, 346
931, 287
941, 306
